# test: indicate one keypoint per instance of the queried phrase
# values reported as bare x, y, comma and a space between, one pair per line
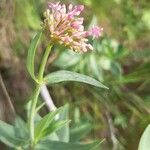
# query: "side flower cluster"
63, 25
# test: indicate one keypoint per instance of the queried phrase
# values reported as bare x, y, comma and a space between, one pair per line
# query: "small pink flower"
96, 32
63, 25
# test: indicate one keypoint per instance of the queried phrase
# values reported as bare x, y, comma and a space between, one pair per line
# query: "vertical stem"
36, 93
43, 63
47, 98
32, 111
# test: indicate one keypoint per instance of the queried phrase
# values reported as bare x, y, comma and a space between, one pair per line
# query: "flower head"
96, 32
64, 26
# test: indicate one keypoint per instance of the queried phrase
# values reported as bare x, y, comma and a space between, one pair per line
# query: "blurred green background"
121, 60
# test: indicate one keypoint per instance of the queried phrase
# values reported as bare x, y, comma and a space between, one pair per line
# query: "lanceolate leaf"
31, 54
53, 127
61, 76
9, 136
44, 123
63, 133
145, 140
55, 145
79, 132
20, 124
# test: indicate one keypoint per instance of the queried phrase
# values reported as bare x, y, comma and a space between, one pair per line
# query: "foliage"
144, 142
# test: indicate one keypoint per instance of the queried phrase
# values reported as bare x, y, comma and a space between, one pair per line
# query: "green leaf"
53, 127
63, 133
52, 137
55, 145
145, 140
44, 123
60, 76
21, 128
116, 69
31, 54
80, 131
8, 135
95, 68
67, 59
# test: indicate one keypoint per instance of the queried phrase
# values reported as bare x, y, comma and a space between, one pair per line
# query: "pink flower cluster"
66, 27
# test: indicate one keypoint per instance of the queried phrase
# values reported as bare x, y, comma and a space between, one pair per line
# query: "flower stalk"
37, 92
32, 112
43, 63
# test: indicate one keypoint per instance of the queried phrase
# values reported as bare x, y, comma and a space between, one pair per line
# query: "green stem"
32, 111
43, 63
36, 94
